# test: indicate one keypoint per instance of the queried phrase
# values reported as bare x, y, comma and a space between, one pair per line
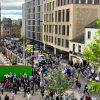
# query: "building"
32, 20
64, 20
0, 20
10, 28
77, 44
6, 27
15, 30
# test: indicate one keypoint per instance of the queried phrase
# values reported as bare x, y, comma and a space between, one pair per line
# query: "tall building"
0, 21
64, 20
33, 16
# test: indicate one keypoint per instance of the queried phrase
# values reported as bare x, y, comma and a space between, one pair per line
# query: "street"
19, 96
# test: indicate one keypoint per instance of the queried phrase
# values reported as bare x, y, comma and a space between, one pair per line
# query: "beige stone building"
64, 20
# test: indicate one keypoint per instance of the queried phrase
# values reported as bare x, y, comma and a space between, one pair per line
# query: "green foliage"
94, 87
58, 82
91, 52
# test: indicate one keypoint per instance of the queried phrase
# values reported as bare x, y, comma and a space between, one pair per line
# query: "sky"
11, 9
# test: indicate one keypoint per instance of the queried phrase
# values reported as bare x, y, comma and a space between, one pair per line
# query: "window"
67, 30
89, 34
63, 15
58, 41
56, 29
59, 16
55, 16
49, 38
53, 5
55, 41
59, 29
67, 44
89, 1
44, 28
67, 14
79, 49
52, 17
63, 30
49, 28
52, 39
62, 42
73, 47
46, 38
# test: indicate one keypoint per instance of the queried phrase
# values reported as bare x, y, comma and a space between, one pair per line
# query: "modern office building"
33, 16
64, 20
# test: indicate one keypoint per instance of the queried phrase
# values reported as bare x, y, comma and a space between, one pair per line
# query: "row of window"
48, 17
65, 2
79, 48
48, 38
62, 15
49, 28
58, 41
59, 29
49, 6
62, 29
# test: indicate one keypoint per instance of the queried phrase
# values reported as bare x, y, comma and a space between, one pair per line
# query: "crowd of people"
39, 80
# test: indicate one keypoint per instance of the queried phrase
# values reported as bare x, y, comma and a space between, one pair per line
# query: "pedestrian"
79, 85
86, 89
93, 98
6, 97
82, 96
66, 97
76, 82
42, 91
12, 95
28, 96
88, 97
0, 97
47, 94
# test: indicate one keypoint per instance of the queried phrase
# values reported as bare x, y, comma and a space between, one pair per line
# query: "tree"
91, 52
58, 82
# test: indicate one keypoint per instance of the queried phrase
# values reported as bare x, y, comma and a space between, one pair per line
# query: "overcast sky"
11, 8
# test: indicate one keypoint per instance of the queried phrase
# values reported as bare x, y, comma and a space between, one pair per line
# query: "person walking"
88, 97
28, 96
82, 96
6, 97
86, 89
47, 94
12, 95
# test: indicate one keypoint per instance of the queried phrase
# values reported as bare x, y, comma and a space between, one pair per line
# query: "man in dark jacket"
6, 97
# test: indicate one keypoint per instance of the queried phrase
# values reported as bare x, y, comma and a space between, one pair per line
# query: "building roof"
92, 25
79, 39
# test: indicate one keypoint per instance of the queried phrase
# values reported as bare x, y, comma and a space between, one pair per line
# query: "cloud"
11, 8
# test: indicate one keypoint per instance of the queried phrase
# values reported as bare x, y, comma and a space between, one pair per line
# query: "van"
41, 58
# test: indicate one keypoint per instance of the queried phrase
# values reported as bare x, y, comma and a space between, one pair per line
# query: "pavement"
19, 96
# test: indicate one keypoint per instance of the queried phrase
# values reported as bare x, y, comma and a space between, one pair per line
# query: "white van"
41, 58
